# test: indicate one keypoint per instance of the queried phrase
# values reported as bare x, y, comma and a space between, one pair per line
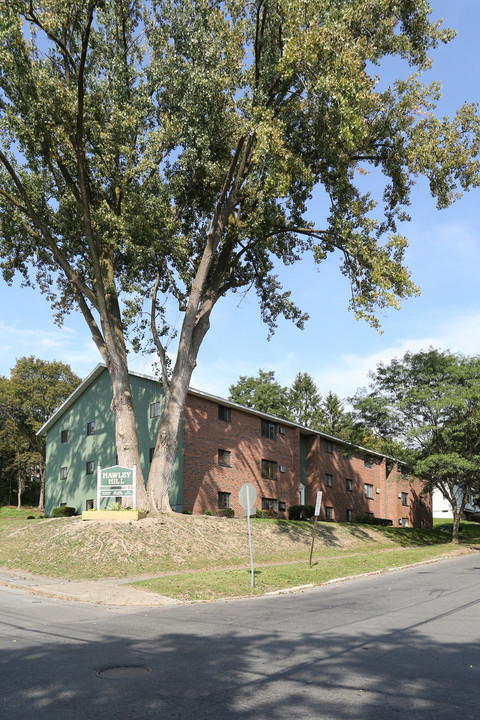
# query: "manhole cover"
121, 672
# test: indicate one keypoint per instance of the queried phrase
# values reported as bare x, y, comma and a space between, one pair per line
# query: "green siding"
94, 405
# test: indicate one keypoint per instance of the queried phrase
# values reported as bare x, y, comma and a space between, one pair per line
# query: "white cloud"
458, 334
63, 344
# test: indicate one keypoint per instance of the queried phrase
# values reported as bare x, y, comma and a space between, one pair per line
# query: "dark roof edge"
208, 396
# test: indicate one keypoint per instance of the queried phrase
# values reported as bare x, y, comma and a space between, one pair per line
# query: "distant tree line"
34, 390
303, 403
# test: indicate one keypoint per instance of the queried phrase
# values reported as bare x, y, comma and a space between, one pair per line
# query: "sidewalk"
103, 592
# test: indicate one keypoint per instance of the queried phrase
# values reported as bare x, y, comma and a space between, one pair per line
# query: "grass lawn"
200, 557
215, 584
10, 511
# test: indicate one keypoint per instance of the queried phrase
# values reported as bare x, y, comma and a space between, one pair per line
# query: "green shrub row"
369, 520
269, 514
300, 512
63, 511
225, 512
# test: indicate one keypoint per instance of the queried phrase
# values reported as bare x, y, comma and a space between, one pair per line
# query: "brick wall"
241, 436
204, 477
418, 508
342, 467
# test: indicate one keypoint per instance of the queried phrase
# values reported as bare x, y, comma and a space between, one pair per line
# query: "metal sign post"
98, 486
247, 498
250, 541
317, 513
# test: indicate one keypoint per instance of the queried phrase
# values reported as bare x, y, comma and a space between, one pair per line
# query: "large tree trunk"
456, 525
161, 469
126, 439
458, 511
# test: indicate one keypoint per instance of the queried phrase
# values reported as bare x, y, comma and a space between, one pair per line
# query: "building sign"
116, 482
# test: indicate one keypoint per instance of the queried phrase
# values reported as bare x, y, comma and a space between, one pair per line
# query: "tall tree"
335, 420
155, 156
430, 402
304, 401
262, 393
35, 389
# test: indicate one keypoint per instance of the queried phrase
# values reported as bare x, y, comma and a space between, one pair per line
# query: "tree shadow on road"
218, 666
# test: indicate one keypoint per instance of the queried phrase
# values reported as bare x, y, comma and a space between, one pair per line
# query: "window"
151, 453
328, 446
269, 429
63, 473
329, 513
349, 515
404, 498
369, 514
64, 436
90, 467
89, 504
368, 461
282, 506
269, 504
349, 485
403, 522
154, 409
269, 469
369, 491
224, 413
328, 480
91, 428
223, 500
224, 458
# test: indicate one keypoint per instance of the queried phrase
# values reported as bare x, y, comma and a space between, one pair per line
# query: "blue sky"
337, 350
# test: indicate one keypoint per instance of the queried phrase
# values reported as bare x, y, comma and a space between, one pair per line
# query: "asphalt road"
404, 644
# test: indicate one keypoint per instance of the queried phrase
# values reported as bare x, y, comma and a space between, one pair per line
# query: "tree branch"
155, 335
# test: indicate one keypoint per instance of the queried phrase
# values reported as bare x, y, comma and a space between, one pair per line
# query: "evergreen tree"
304, 401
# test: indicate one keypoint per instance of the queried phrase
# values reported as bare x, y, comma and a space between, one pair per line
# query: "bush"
300, 512
186, 512
369, 520
208, 512
64, 511
269, 514
226, 512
